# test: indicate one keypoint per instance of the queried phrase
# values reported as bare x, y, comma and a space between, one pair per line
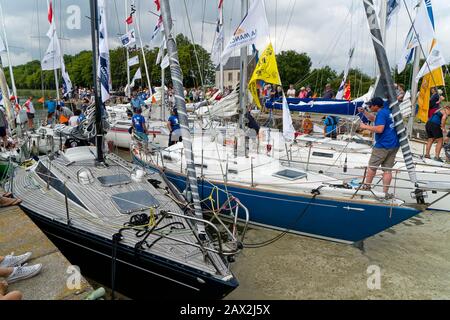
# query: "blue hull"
322, 218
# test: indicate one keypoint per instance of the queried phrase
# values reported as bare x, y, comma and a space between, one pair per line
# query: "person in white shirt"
74, 120
30, 112
291, 91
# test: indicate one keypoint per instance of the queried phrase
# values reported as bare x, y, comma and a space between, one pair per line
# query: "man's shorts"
30, 115
434, 130
2, 132
383, 157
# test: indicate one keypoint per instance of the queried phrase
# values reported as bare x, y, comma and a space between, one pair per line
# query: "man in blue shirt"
51, 108
386, 143
139, 126
136, 103
174, 126
330, 130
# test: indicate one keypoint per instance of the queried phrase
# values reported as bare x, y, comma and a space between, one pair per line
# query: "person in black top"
252, 123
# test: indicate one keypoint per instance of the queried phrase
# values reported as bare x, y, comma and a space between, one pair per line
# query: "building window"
230, 76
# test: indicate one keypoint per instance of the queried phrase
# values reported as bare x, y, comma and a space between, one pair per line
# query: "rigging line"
201, 39
275, 40
193, 44
289, 22
420, 44
40, 49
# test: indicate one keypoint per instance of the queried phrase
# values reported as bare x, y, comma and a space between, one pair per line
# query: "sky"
324, 29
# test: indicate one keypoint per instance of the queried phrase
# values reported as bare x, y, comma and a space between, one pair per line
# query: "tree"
292, 66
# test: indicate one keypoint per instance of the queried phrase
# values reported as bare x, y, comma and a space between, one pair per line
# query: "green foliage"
292, 66
79, 67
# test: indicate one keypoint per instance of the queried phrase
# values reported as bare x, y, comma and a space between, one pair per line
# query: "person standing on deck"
139, 126
328, 93
3, 128
63, 114
173, 124
330, 128
291, 91
386, 143
436, 131
30, 112
51, 108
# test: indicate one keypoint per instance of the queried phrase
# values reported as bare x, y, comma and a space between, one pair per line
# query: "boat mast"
221, 47
243, 70
143, 53
388, 83
177, 79
128, 93
379, 90
414, 84
96, 80
13, 83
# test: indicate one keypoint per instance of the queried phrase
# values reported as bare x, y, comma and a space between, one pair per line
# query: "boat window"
322, 154
233, 171
290, 174
123, 123
114, 180
133, 201
199, 165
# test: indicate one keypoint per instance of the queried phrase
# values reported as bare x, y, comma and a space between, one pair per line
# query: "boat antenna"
96, 80
180, 103
388, 84
243, 73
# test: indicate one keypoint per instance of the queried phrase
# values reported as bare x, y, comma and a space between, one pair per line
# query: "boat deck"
103, 218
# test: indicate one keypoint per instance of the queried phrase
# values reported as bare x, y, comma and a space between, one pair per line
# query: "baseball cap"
375, 101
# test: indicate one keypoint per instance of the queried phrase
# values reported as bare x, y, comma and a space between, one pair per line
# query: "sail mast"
177, 79
143, 53
414, 84
243, 70
128, 91
221, 47
96, 80
13, 83
388, 85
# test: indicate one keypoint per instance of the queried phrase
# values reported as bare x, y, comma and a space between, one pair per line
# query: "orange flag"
41, 100
347, 92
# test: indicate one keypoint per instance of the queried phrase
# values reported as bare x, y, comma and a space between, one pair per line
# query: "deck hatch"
290, 174
133, 201
114, 180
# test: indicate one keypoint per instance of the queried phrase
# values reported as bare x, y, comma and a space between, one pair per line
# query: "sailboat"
122, 226
278, 194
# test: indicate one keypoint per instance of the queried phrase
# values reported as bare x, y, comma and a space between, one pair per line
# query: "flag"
104, 64
288, 128
160, 53
158, 34
133, 61
266, 70
67, 83
158, 5
220, 4
422, 29
340, 92
165, 62
128, 38
216, 50
347, 92
430, 80
129, 19
41, 100
52, 57
393, 6
137, 75
435, 60
50, 13
253, 27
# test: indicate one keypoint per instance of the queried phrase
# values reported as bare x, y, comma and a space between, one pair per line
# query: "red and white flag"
220, 4
158, 5
50, 13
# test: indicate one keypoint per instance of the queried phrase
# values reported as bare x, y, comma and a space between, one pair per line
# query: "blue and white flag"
421, 32
158, 34
288, 127
128, 38
67, 83
104, 64
340, 92
393, 6
254, 27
